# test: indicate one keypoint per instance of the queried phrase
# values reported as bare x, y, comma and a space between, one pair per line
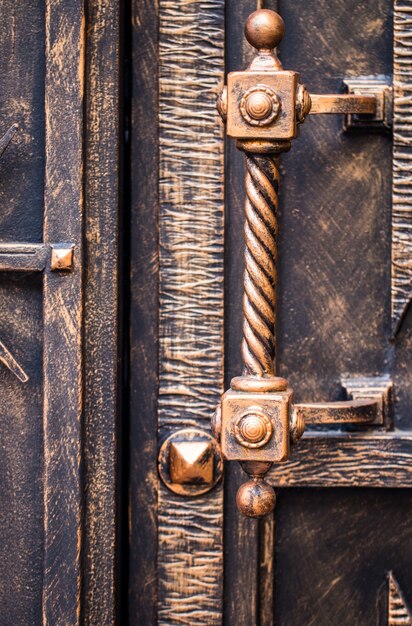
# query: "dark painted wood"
143, 333
22, 73
336, 459
104, 486
63, 312
21, 458
334, 550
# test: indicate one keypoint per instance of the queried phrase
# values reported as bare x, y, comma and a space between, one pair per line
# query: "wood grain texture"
347, 460
191, 63
143, 333
102, 307
402, 159
62, 312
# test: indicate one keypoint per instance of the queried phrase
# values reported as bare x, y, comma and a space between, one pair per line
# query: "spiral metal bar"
260, 275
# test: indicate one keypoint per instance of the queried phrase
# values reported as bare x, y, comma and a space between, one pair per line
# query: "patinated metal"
190, 462
62, 257
263, 107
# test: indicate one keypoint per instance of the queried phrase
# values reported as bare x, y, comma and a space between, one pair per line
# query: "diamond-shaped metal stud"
62, 257
191, 461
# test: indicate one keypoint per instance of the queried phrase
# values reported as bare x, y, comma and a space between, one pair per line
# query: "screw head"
264, 29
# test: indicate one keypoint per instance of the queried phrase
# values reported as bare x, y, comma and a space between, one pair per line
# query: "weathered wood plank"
102, 314
144, 288
62, 311
348, 460
402, 160
190, 557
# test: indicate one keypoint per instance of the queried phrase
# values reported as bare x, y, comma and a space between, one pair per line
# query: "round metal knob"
253, 430
264, 29
255, 498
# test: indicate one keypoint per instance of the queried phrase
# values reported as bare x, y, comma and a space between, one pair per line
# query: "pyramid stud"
191, 461
61, 257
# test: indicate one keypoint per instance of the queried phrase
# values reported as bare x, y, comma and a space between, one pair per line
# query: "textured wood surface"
144, 288
22, 68
345, 460
402, 159
62, 312
102, 480
191, 63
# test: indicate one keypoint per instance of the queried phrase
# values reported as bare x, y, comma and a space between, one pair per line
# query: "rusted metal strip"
190, 555
347, 412
23, 257
342, 103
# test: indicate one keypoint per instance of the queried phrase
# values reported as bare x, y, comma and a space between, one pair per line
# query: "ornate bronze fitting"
263, 107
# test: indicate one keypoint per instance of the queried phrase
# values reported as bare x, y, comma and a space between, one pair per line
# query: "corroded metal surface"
260, 276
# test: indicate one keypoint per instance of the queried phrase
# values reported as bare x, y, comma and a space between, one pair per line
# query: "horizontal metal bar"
23, 257
347, 412
343, 103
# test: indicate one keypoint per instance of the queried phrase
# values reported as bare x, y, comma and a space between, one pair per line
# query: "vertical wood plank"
62, 310
402, 159
144, 348
190, 557
102, 312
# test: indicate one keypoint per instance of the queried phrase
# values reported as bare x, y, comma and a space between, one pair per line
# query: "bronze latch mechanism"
263, 108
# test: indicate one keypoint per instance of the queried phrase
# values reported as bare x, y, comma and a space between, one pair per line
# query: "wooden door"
121, 245
338, 549
59, 189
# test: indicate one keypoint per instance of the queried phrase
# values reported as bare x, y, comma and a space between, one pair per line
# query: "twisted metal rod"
261, 255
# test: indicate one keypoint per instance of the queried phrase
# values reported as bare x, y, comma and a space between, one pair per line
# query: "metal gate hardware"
190, 462
264, 107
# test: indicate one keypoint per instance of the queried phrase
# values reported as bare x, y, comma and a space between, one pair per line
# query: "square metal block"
255, 426
282, 84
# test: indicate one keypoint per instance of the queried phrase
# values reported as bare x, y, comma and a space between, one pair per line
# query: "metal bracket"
379, 388
33, 257
381, 88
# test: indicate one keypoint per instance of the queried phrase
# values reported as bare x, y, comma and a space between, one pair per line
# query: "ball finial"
256, 498
264, 29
